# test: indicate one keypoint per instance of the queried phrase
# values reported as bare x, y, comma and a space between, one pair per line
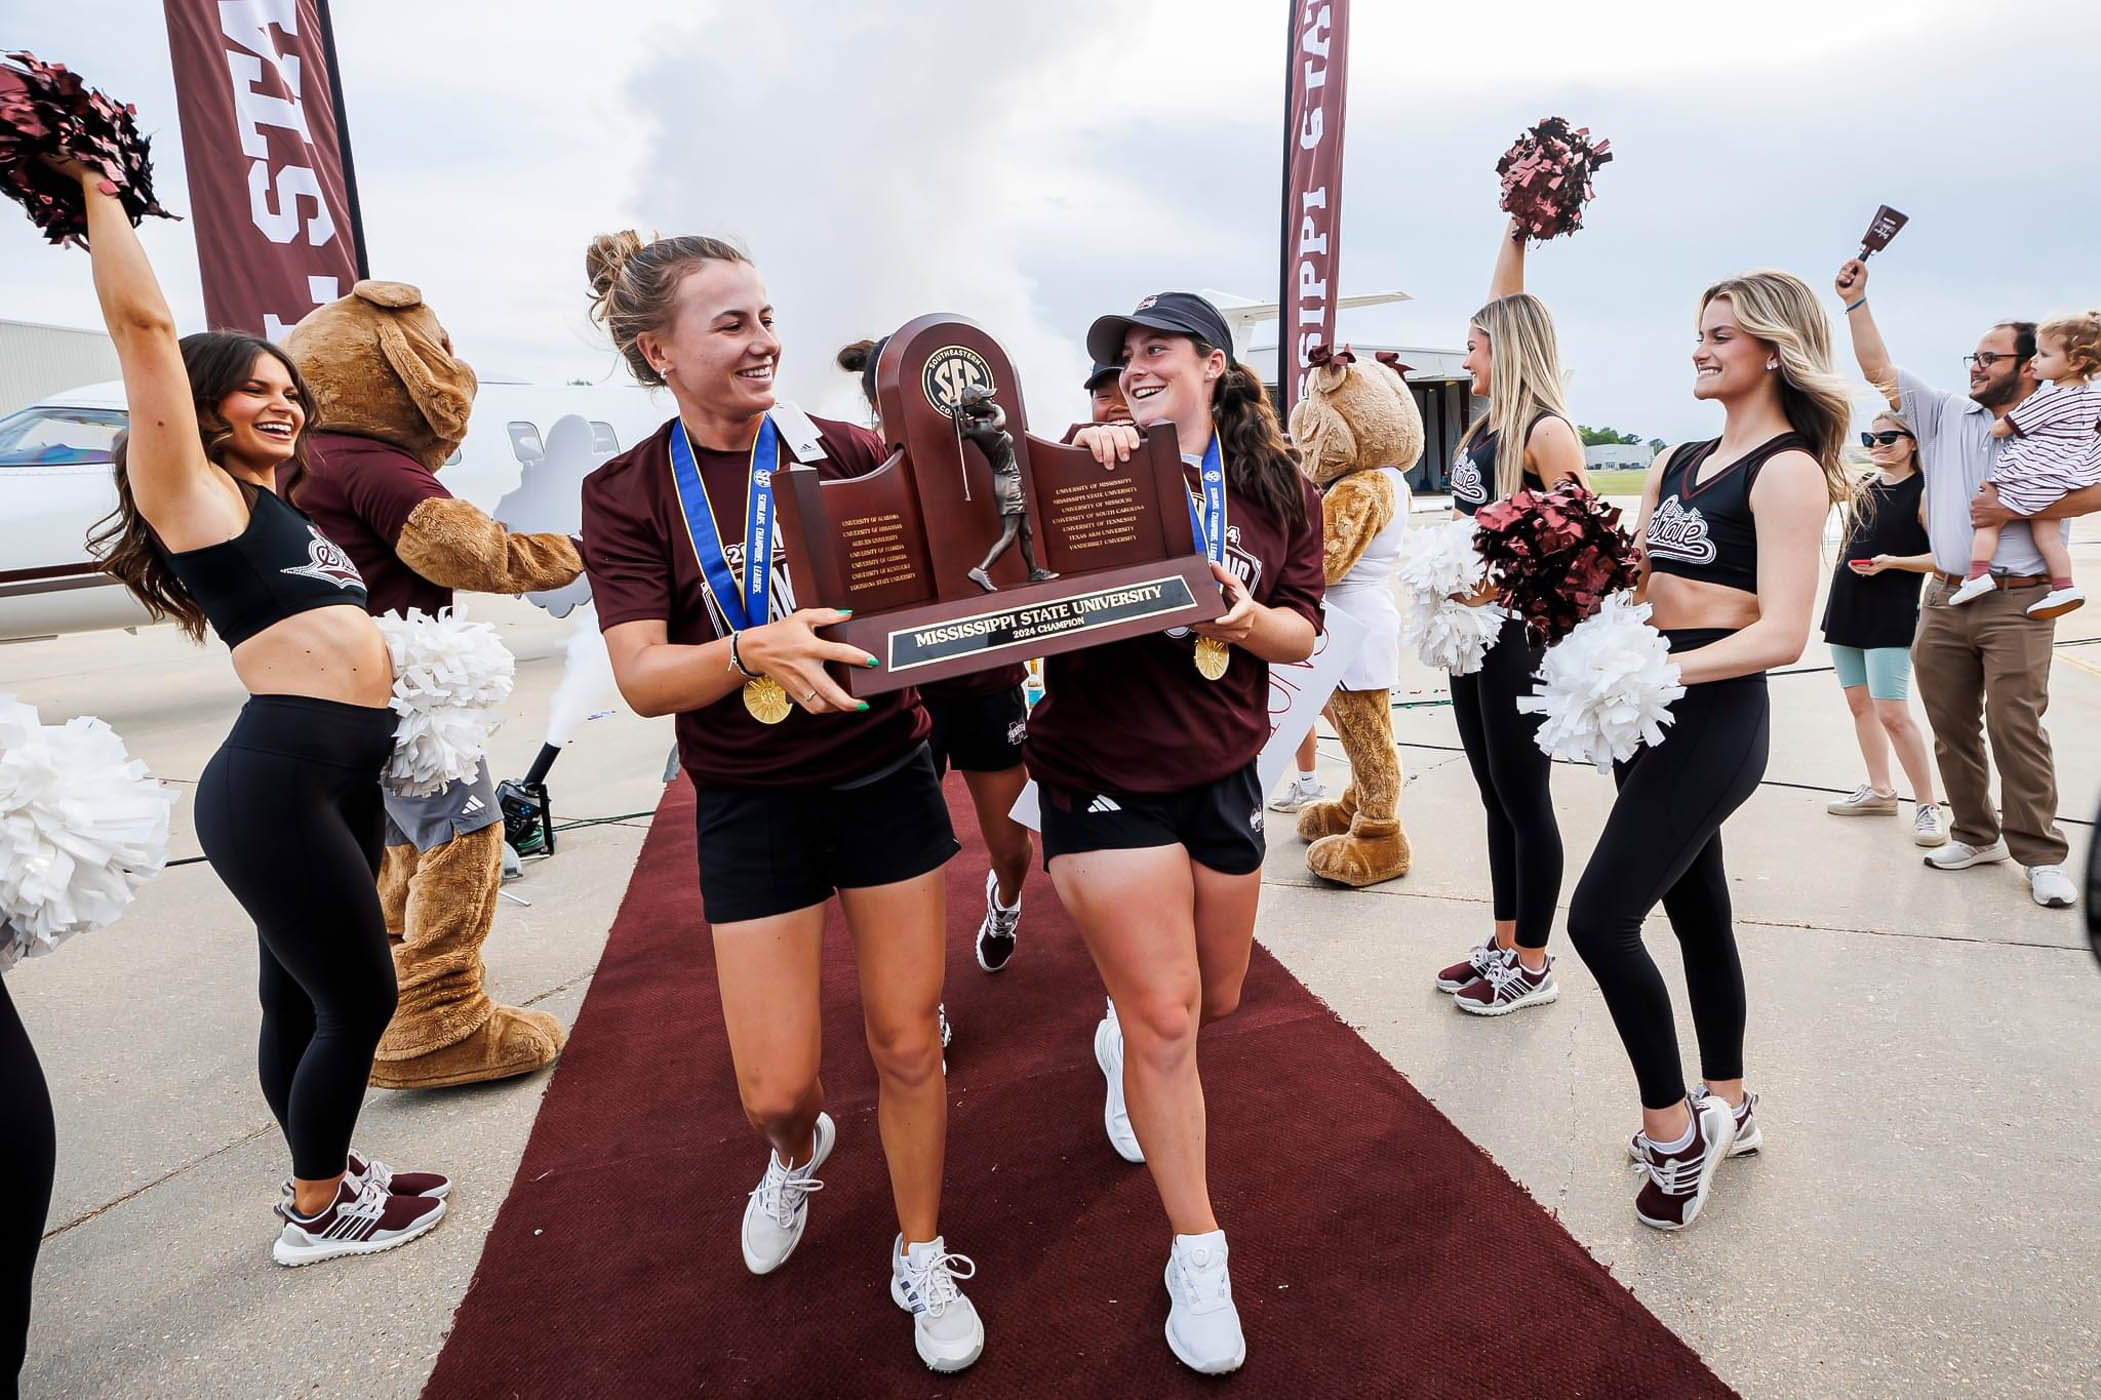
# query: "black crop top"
280, 564
1473, 478
1706, 531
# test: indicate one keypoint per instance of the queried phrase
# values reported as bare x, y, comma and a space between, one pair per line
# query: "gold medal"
766, 701
1212, 658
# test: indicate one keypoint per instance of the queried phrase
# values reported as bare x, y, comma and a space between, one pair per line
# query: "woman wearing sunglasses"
1869, 619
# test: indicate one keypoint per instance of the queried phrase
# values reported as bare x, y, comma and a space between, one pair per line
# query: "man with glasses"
1984, 667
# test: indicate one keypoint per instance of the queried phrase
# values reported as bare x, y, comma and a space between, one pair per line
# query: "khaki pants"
1989, 657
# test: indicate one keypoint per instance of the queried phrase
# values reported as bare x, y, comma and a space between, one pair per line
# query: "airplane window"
525, 442
603, 438
454, 459
59, 437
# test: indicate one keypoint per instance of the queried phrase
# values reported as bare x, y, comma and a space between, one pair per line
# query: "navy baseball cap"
1183, 313
1100, 372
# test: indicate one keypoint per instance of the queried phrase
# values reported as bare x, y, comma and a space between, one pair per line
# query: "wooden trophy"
924, 552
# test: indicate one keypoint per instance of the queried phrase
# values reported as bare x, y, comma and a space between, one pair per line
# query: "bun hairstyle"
633, 283
1780, 310
860, 358
1260, 462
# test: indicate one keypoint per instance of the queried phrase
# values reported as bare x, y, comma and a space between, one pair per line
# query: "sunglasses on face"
1886, 439
1985, 359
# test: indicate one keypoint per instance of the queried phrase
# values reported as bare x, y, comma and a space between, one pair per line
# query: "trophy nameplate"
978, 544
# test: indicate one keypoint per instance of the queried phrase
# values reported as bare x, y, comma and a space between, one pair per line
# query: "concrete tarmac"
1917, 1224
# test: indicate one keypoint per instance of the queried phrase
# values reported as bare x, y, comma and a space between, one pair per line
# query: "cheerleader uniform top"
280, 564
1473, 478
1704, 529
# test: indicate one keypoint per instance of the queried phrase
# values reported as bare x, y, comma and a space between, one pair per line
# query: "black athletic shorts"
977, 733
767, 851
1220, 823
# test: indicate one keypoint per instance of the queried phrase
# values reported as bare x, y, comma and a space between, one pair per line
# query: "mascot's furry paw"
1371, 852
510, 1043
1330, 818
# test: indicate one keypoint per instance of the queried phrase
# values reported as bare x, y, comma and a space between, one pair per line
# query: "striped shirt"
2055, 447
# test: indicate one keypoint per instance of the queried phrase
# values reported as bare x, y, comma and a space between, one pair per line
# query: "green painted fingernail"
862, 706
873, 662
846, 612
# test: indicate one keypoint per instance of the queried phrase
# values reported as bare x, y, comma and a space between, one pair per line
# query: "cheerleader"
1145, 750
1515, 362
801, 791
1730, 531
288, 810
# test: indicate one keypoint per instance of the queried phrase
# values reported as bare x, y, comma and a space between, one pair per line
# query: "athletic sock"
1681, 1144
1979, 568
1309, 778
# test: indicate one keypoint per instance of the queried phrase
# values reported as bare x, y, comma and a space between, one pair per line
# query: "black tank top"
1473, 479
277, 566
1707, 531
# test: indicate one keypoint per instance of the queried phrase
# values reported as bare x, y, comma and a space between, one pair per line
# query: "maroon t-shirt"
642, 568
977, 683
360, 492
1136, 716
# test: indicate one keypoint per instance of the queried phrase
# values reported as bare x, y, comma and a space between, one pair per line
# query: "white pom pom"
1450, 635
82, 826
449, 676
1606, 688
1440, 560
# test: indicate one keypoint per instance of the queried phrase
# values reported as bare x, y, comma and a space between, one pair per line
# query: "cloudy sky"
1032, 166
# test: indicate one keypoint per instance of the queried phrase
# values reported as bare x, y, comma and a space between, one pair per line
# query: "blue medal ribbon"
745, 604
1209, 528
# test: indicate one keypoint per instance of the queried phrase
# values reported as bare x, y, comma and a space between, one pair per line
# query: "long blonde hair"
1524, 381
1779, 309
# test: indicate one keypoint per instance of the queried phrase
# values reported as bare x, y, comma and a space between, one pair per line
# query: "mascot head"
380, 366
1356, 416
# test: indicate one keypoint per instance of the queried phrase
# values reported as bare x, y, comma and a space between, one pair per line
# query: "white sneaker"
780, 1204
1973, 589
997, 933
2056, 603
1961, 855
2051, 887
1108, 1053
1930, 826
945, 1326
1300, 794
1865, 802
1203, 1326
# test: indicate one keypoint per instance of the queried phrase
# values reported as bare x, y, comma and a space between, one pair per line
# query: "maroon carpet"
1368, 1234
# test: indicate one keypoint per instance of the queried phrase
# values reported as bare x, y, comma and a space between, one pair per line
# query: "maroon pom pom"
1554, 556
48, 113
1546, 177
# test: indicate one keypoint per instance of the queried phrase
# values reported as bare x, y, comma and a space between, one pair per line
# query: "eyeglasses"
1886, 439
1985, 359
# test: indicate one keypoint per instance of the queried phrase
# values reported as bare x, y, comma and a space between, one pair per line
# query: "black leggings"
1524, 842
1663, 843
289, 813
27, 1161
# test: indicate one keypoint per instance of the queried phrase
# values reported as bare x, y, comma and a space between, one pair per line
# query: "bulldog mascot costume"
1358, 430
392, 403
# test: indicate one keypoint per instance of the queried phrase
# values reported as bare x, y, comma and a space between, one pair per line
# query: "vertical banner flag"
1314, 90
271, 187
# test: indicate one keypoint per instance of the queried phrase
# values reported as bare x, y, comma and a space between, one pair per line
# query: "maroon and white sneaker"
1478, 961
363, 1219
429, 1185
1675, 1184
1508, 986
1747, 1139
